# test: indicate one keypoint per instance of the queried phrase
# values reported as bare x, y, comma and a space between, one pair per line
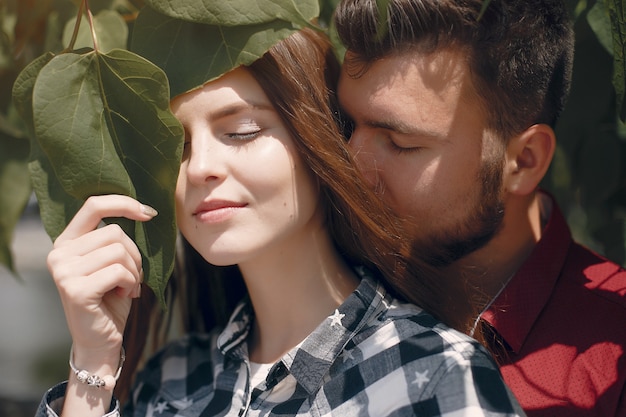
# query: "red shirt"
563, 317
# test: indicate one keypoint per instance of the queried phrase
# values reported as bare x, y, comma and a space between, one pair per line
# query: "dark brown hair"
299, 75
519, 52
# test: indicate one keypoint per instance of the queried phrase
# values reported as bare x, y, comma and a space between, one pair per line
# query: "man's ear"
528, 158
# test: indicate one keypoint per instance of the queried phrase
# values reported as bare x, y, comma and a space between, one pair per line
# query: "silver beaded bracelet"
107, 381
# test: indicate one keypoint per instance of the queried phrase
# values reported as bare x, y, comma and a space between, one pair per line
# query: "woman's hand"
97, 272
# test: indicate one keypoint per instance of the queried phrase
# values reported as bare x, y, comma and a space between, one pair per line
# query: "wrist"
97, 370
92, 357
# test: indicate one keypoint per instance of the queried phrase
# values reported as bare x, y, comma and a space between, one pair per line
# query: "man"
453, 115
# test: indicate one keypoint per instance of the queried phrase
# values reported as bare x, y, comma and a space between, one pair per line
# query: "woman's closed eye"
247, 135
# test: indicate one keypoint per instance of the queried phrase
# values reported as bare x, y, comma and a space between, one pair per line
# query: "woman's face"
243, 191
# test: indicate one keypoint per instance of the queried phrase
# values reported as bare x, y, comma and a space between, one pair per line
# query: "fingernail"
149, 211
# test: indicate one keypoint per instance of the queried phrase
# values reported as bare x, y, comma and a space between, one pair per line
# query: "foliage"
587, 175
177, 46
96, 112
103, 127
91, 101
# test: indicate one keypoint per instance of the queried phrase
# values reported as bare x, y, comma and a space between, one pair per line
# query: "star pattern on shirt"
421, 378
160, 407
182, 404
360, 337
347, 356
336, 318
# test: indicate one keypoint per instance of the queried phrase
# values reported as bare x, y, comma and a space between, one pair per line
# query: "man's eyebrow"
382, 123
398, 126
392, 124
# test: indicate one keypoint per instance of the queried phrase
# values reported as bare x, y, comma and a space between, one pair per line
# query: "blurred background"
34, 343
587, 175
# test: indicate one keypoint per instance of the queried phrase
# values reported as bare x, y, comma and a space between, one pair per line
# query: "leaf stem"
79, 17
92, 27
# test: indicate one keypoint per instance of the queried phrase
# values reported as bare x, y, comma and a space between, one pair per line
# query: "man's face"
420, 137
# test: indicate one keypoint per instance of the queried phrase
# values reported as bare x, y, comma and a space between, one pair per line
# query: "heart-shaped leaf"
192, 54
56, 206
102, 125
238, 12
22, 92
22, 98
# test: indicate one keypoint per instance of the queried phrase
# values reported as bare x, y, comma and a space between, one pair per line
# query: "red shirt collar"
516, 309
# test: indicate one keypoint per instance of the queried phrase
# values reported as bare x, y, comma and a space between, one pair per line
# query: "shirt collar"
235, 334
311, 359
517, 308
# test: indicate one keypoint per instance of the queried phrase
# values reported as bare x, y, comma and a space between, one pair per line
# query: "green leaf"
599, 21
56, 206
23, 90
14, 191
576, 7
483, 9
103, 125
110, 27
617, 13
70, 119
327, 8
192, 54
383, 19
238, 12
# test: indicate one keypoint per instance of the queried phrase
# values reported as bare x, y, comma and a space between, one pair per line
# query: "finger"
112, 234
137, 292
100, 207
102, 258
89, 290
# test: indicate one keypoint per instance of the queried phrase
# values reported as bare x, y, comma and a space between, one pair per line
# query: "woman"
265, 183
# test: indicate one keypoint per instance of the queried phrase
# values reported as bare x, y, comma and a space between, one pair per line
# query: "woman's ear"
528, 158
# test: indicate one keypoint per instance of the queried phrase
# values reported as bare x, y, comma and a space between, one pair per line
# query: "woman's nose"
205, 161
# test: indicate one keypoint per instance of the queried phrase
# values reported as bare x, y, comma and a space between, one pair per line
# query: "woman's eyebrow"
239, 107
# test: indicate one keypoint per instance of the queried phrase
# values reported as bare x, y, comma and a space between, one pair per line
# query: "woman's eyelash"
244, 135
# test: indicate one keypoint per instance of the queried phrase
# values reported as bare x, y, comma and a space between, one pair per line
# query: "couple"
451, 124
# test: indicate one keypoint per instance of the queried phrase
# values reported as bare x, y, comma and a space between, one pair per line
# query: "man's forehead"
422, 94
437, 73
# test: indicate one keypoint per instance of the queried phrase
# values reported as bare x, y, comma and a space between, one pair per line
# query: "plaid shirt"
374, 356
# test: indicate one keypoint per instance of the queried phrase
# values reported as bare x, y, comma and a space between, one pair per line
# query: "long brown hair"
299, 75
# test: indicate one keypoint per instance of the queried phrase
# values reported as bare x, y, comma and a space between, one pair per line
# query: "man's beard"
481, 224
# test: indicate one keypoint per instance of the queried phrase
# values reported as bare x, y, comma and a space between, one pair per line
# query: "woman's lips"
215, 211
